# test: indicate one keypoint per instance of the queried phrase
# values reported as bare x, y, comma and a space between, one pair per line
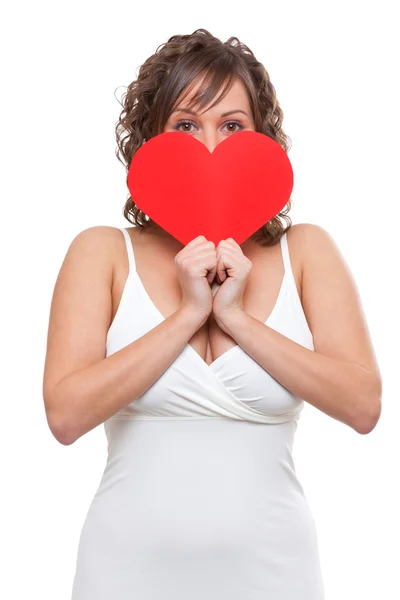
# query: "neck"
153, 229
161, 234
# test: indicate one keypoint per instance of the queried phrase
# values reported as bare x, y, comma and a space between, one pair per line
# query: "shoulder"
104, 233
312, 243
100, 246
307, 235
313, 252
102, 239
328, 286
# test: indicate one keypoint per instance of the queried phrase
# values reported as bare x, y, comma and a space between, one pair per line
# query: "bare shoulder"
305, 236
306, 233
316, 246
331, 299
295, 241
104, 242
80, 312
322, 266
306, 239
98, 235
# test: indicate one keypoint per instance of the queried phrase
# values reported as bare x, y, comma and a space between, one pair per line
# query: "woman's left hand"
233, 270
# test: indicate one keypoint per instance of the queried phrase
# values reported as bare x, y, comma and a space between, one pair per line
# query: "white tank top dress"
199, 498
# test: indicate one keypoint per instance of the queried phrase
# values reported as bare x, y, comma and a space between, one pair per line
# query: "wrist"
193, 315
229, 318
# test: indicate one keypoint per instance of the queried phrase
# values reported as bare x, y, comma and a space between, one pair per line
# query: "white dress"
199, 499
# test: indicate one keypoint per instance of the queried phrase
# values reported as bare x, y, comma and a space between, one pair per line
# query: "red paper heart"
231, 192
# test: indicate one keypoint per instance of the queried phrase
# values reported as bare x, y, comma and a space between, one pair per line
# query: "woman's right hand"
196, 264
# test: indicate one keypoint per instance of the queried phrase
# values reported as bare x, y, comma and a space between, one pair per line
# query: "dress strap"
285, 254
129, 249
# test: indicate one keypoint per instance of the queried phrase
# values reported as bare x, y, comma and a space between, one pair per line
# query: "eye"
183, 122
239, 125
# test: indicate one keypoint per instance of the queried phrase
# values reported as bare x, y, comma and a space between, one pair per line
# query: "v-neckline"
224, 356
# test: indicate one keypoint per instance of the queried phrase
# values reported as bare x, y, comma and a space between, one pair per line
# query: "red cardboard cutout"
232, 192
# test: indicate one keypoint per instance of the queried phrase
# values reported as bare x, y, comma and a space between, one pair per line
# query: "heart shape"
231, 192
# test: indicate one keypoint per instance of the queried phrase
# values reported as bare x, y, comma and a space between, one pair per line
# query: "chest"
157, 275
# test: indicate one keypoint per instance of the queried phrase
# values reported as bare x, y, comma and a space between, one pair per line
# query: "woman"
200, 394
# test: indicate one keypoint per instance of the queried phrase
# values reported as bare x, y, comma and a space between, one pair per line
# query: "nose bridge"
209, 136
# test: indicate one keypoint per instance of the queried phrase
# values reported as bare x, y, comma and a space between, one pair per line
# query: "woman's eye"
177, 126
239, 125
187, 124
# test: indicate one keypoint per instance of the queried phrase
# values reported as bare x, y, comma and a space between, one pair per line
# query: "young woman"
200, 394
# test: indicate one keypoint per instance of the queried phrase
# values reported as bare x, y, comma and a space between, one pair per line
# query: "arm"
341, 377
81, 387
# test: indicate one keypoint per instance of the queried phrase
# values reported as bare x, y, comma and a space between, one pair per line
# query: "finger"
207, 259
200, 239
233, 242
229, 241
221, 270
211, 275
200, 249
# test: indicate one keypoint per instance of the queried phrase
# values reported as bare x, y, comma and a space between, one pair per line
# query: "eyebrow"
225, 114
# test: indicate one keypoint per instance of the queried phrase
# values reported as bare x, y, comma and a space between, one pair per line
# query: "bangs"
217, 79
205, 74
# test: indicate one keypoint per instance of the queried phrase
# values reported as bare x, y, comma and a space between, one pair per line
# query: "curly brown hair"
169, 72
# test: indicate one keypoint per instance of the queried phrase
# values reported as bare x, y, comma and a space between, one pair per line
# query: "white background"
334, 69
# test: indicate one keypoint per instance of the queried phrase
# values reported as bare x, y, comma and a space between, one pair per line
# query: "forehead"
235, 97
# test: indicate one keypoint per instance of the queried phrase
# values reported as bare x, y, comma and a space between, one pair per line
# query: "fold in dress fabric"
199, 498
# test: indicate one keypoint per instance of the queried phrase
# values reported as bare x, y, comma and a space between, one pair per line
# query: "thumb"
211, 275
